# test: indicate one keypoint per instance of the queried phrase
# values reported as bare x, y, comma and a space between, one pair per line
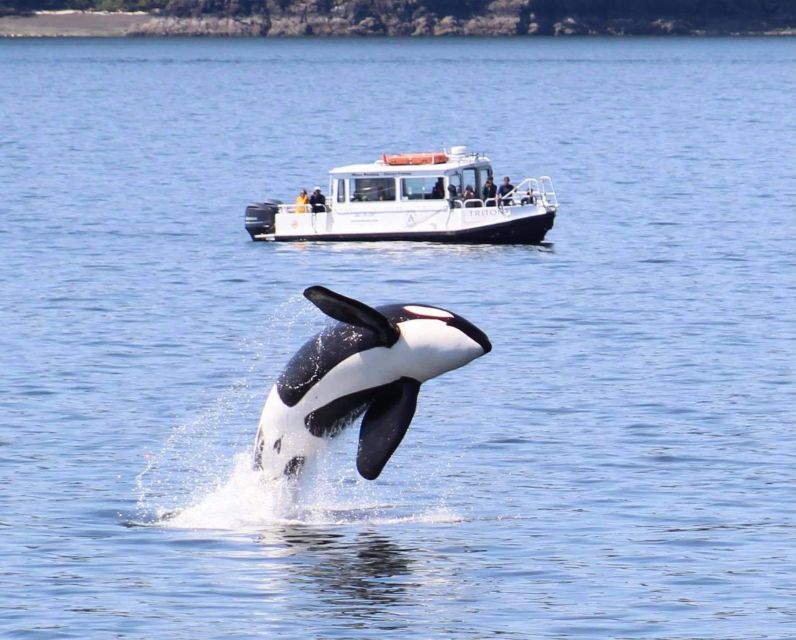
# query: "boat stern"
261, 218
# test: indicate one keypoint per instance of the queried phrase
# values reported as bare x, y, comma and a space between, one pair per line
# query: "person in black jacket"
318, 201
505, 189
489, 193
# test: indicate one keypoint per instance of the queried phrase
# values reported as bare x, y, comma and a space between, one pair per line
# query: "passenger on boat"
318, 201
469, 198
302, 202
452, 195
437, 192
505, 189
489, 193
528, 198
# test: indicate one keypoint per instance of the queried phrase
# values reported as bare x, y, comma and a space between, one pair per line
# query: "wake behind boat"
449, 196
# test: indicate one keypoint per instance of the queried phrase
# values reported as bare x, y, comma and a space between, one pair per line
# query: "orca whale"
372, 362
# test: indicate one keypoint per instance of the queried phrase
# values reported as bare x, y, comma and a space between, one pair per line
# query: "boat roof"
456, 158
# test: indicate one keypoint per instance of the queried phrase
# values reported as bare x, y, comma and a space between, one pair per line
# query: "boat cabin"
398, 179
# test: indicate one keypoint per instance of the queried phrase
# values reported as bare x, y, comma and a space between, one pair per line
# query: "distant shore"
57, 24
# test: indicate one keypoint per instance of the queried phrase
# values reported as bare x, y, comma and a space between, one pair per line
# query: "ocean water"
621, 465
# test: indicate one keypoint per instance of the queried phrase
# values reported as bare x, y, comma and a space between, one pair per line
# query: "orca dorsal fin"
353, 312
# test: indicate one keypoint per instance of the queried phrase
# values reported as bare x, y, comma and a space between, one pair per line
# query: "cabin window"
471, 179
485, 172
341, 190
426, 188
373, 189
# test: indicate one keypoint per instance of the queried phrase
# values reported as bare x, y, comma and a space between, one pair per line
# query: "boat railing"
473, 203
531, 190
549, 197
304, 208
419, 214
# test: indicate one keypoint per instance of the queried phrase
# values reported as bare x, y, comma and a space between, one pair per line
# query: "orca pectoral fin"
353, 312
384, 426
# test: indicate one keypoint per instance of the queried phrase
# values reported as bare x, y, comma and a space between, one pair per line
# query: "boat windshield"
373, 189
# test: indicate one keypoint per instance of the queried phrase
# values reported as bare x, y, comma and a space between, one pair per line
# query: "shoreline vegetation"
339, 18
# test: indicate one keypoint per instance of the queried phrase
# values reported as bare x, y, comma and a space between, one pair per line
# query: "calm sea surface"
620, 466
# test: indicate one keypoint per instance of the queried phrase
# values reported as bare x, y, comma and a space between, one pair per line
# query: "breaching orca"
371, 361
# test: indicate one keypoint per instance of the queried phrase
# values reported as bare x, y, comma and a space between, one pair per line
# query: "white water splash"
198, 453
326, 494
241, 502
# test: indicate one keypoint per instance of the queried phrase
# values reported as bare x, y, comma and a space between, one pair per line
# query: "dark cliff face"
463, 17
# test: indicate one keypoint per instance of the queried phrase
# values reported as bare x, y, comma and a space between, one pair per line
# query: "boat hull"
525, 230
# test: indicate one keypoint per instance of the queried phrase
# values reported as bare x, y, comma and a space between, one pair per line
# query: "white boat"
419, 196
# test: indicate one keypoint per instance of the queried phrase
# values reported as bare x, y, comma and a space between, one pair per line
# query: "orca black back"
322, 353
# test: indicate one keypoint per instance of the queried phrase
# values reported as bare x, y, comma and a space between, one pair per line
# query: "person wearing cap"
318, 201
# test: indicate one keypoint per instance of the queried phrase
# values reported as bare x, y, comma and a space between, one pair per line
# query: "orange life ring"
433, 157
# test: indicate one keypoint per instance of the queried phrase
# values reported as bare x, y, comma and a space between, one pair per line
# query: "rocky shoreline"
506, 23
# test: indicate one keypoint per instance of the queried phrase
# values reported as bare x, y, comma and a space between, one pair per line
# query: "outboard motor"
260, 217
